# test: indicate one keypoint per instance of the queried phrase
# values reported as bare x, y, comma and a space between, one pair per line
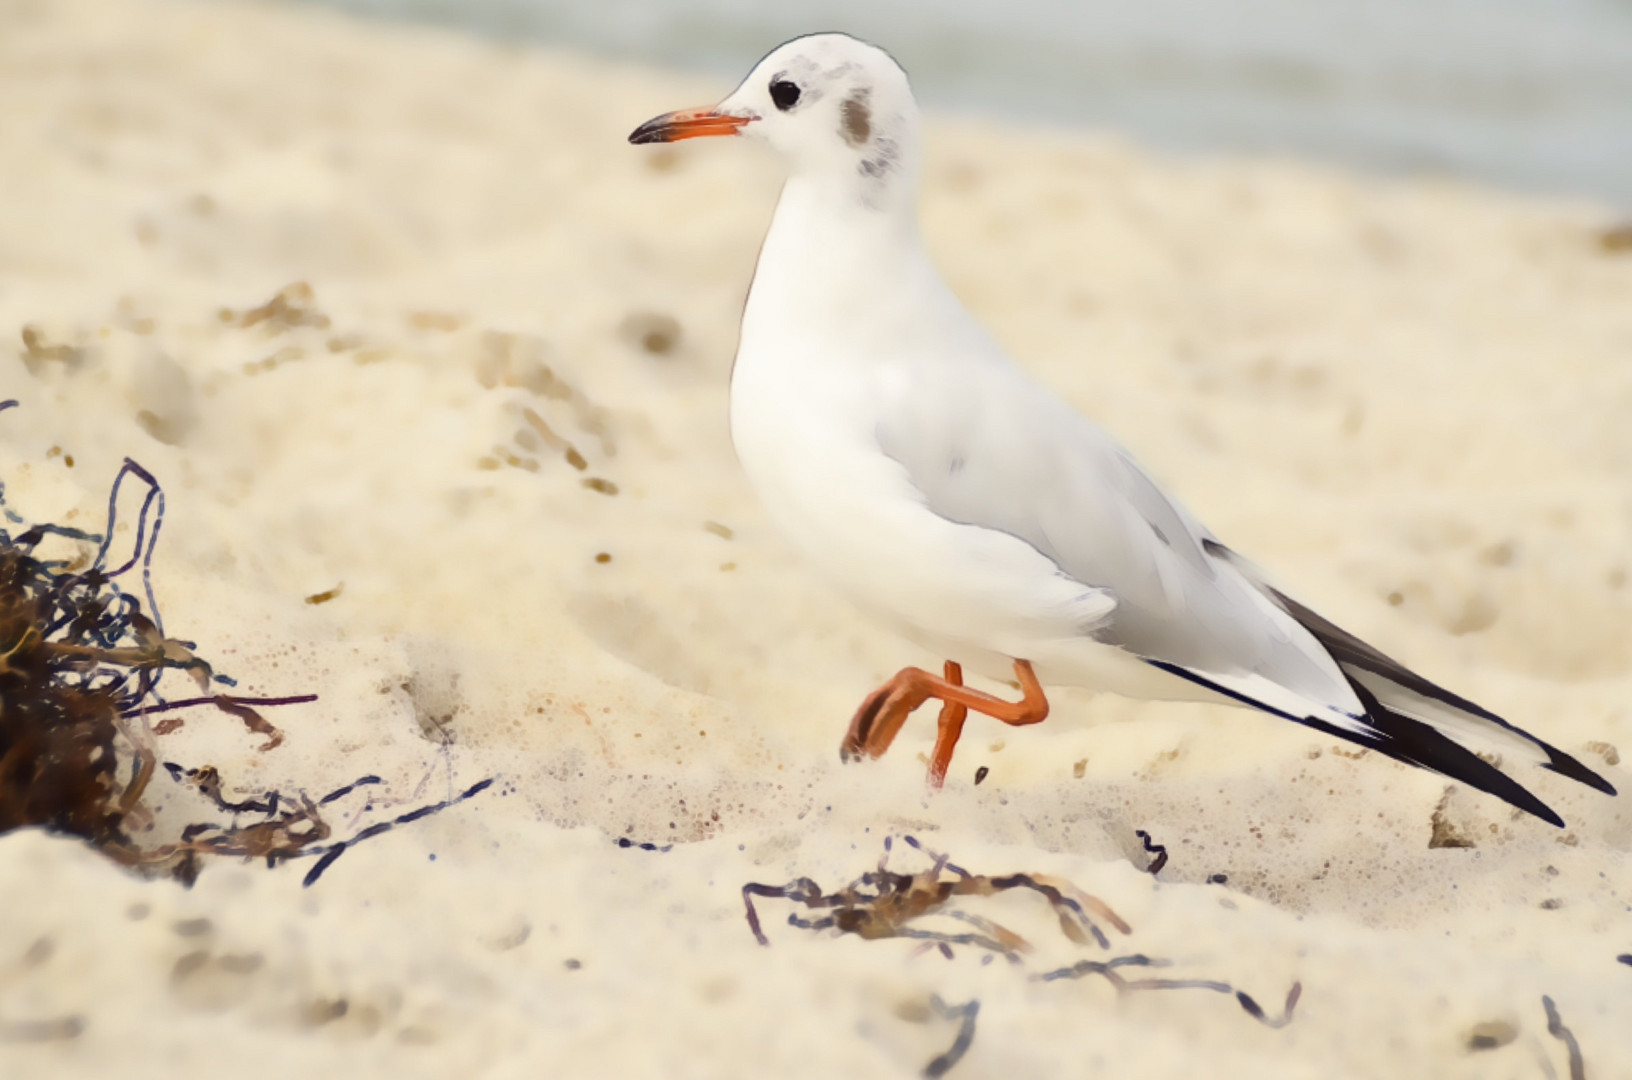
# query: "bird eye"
785, 94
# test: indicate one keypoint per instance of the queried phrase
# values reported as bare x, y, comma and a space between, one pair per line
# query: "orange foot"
880, 717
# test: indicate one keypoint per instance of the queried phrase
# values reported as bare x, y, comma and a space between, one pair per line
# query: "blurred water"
1535, 94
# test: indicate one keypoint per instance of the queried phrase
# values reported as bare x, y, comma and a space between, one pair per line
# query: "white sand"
1408, 399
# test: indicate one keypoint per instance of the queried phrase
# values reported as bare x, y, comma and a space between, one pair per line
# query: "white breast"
841, 322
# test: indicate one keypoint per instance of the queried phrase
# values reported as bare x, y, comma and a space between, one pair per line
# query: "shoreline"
1524, 96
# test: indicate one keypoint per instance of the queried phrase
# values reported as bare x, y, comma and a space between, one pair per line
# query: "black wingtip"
1545, 813
1352, 653
1416, 743
1565, 765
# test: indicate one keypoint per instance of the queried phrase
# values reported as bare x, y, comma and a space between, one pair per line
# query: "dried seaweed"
1256, 1011
1556, 1028
1109, 970
328, 853
1152, 848
291, 827
81, 661
80, 664
965, 1015
643, 845
883, 904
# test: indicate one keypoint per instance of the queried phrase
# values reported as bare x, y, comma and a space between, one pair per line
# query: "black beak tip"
652, 131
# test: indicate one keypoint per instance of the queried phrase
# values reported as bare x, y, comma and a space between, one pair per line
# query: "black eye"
785, 94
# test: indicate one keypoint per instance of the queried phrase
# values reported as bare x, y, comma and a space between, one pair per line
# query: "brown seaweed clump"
884, 903
80, 664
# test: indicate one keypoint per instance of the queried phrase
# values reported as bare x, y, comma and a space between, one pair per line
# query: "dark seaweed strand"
1153, 848
216, 699
1055, 897
10, 514
340, 793
104, 624
1108, 969
72, 604
106, 547
36, 532
208, 781
1256, 1011
976, 940
749, 891
119, 624
10, 403
143, 550
328, 853
1556, 1028
643, 845
801, 890
965, 1014
941, 860
1100, 967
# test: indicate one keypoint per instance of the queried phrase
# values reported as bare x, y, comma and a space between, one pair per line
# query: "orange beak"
687, 124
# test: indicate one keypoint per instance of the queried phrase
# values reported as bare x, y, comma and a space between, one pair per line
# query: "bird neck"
830, 258
845, 182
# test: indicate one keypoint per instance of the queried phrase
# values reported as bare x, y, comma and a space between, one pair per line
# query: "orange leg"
880, 717
948, 728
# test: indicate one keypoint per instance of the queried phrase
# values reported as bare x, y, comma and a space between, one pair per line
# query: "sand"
1406, 397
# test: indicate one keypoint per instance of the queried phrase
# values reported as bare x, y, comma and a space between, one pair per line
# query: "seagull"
921, 470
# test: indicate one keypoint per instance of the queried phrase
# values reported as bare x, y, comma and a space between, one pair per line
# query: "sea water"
1533, 94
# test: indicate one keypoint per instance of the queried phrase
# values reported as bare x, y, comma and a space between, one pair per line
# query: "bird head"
830, 104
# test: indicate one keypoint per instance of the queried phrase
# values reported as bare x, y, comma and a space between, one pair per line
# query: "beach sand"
490, 410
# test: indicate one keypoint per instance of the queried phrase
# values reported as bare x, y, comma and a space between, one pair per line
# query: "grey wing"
1007, 455
1000, 452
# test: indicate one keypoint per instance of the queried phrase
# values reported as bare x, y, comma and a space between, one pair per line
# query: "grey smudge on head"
856, 119
882, 160
875, 169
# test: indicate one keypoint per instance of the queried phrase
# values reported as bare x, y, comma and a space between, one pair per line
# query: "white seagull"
899, 448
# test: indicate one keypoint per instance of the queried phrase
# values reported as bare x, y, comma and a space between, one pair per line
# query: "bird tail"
1418, 722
